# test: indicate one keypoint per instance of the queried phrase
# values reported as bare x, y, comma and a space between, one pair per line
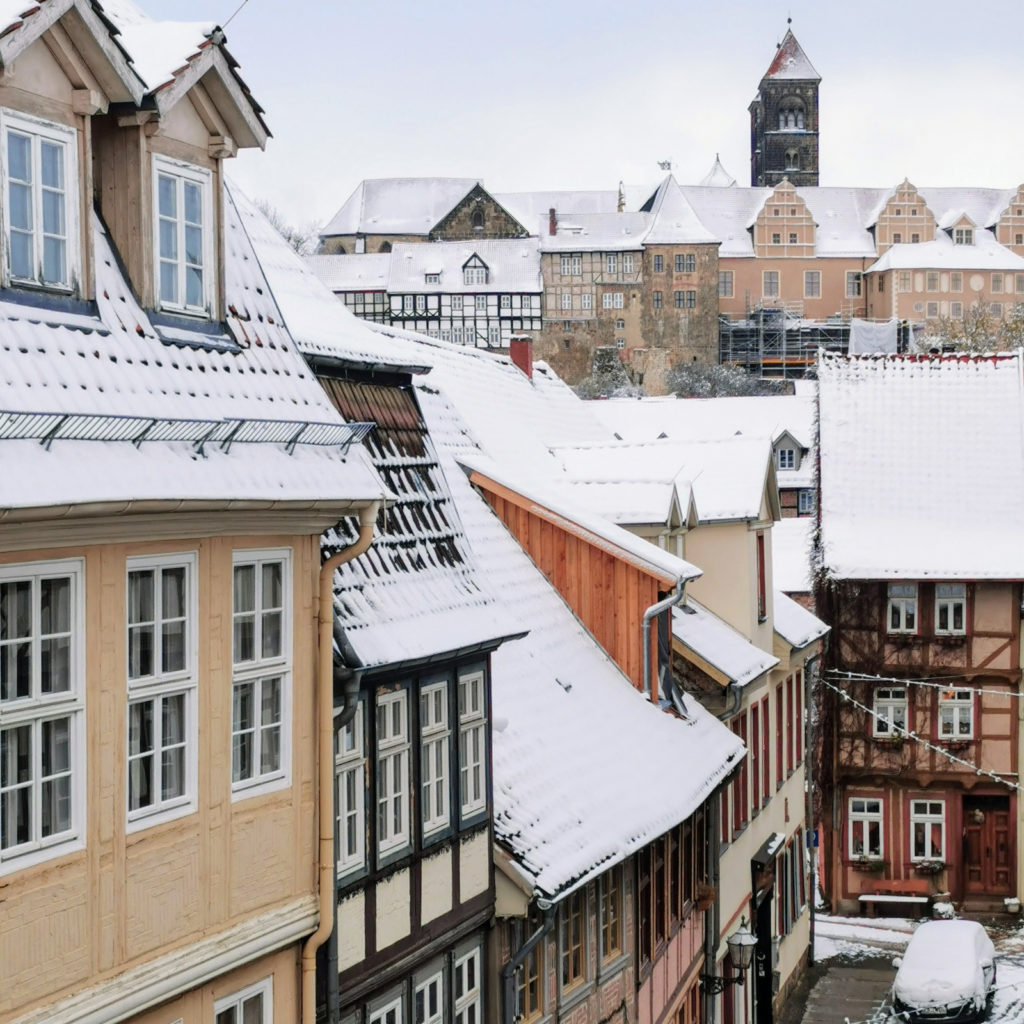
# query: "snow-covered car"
946, 974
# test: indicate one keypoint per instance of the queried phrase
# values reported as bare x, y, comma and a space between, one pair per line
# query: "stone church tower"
784, 119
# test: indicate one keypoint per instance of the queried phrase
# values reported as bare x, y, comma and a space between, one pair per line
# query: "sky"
553, 94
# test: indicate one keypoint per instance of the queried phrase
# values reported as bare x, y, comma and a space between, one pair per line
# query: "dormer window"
787, 458
433, 278
184, 236
41, 212
474, 271
963, 236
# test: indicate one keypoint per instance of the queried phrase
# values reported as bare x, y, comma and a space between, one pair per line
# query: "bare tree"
978, 330
304, 239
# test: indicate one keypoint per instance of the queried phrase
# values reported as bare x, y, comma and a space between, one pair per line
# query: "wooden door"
988, 845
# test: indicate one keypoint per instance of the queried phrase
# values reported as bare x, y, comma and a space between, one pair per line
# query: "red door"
988, 863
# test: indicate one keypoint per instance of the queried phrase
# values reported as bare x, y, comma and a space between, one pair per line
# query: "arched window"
385, 247
477, 220
792, 160
791, 114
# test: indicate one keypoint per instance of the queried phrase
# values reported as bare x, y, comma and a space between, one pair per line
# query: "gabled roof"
352, 272
717, 177
794, 623
791, 63
597, 231
398, 206
922, 467
942, 253
720, 647
532, 209
512, 266
674, 218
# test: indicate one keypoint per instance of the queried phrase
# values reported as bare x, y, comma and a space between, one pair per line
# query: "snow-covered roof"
794, 623
512, 263
598, 231
922, 467
398, 206
943, 254
532, 209
791, 63
675, 219
792, 540
717, 177
355, 272
117, 364
715, 642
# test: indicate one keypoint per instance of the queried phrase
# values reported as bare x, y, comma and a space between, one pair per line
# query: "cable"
237, 9
897, 730
936, 682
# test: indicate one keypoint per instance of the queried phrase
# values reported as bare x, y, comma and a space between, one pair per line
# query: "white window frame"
787, 458
457, 302
812, 284
264, 989
566, 300
927, 813
435, 981
956, 310
350, 767
960, 705
725, 284
587, 300
853, 284
889, 704
618, 301
468, 1003
260, 671
902, 601
932, 310
392, 773
805, 501
480, 303
861, 816
627, 263
435, 747
184, 172
505, 302
571, 265
963, 236
949, 598
606, 300
472, 743
956, 281
380, 1014
68, 138
771, 284
38, 708
611, 263
160, 686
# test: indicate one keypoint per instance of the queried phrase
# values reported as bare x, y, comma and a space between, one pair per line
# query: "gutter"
325, 755
508, 972
737, 702
675, 598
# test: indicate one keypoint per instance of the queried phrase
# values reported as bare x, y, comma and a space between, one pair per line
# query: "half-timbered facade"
923, 673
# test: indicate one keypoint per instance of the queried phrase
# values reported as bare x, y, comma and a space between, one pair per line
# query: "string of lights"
935, 682
896, 730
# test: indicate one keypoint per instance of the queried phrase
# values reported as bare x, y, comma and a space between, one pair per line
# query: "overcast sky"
552, 94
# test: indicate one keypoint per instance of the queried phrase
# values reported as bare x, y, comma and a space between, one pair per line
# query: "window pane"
173, 588
53, 261
272, 585
19, 156
140, 596
245, 588
193, 286
168, 196
21, 251
53, 213
168, 240
193, 204
15, 609
51, 158
271, 640
172, 648
140, 651
194, 246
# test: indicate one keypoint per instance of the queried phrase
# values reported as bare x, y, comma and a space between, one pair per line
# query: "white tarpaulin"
867, 336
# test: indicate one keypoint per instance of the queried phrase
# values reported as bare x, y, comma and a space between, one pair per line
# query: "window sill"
160, 817
15, 862
608, 968
570, 998
259, 787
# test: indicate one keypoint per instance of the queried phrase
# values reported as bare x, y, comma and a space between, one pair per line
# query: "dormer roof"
791, 63
717, 177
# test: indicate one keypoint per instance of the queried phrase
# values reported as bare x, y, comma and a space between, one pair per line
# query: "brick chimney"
552, 222
520, 348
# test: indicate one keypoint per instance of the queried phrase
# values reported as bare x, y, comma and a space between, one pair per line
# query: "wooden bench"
869, 900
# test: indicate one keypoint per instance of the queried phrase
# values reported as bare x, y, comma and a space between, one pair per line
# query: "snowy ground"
849, 939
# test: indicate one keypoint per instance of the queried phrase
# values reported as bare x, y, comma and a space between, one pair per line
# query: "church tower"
784, 119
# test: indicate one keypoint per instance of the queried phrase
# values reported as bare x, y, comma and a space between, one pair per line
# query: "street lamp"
741, 951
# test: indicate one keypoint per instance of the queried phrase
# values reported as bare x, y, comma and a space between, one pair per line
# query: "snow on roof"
791, 63
792, 540
356, 272
717, 177
714, 641
512, 265
980, 205
794, 623
922, 467
120, 363
569, 714
675, 219
398, 206
635, 502
604, 231
943, 254
532, 209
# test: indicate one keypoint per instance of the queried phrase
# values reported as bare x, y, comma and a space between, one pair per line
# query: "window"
997, 284
260, 657
853, 284
421, 303
686, 263
725, 284
432, 278
620, 324
956, 310
611, 913
391, 1012
350, 780
41, 212
995, 308
457, 303
659, 264
805, 502
932, 310
468, 1009
611, 263
42, 757
253, 1005
481, 303
505, 302
392, 771
612, 300
620, 342
428, 1001
161, 686
566, 300
627, 263
606, 300
963, 236
792, 238
762, 593
657, 300
902, 611
812, 284
776, 238
754, 754
915, 237
184, 236
572, 938
787, 458
956, 714
932, 281
950, 608
792, 160
494, 336
770, 279
890, 711
1018, 239
529, 984
1018, 281
477, 220
472, 743
927, 830
905, 281
587, 300
475, 272
913, 212
865, 828
678, 299
572, 266
434, 756
896, 238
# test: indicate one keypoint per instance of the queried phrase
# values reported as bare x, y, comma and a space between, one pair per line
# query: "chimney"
520, 348
552, 222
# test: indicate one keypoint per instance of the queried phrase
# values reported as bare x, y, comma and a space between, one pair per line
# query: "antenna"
237, 9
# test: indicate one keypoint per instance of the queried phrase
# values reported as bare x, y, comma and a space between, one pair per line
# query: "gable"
477, 215
904, 215
784, 226
1010, 227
